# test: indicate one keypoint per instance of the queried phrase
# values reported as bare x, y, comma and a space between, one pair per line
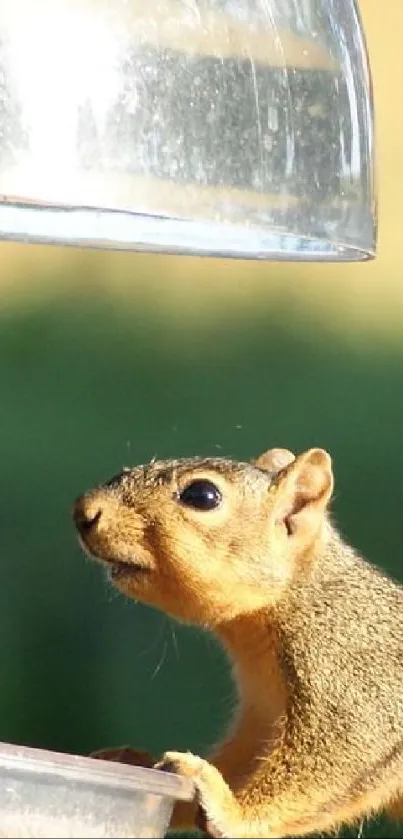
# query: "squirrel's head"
208, 540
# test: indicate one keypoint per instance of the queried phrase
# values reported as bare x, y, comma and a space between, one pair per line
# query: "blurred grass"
107, 359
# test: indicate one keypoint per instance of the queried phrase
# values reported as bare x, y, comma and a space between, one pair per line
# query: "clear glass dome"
222, 127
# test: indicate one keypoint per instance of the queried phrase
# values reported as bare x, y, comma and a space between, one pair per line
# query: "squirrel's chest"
263, 694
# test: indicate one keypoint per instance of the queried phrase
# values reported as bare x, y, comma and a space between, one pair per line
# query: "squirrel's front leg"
213, 796
223, 814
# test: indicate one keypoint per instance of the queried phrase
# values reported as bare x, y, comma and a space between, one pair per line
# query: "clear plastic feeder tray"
224, 127
47, 795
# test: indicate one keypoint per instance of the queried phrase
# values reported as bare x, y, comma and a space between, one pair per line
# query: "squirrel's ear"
304, 492
274, 460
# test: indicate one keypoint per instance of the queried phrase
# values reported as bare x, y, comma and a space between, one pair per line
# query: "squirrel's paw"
217, 805
180, 763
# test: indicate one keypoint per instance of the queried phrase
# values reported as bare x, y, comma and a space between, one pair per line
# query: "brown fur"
315, 634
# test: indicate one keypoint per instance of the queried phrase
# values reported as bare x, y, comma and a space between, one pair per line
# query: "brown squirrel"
315, 633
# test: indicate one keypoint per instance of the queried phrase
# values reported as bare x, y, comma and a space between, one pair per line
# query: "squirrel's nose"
87, 512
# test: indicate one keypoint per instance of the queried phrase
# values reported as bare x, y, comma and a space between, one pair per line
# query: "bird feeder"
237, 128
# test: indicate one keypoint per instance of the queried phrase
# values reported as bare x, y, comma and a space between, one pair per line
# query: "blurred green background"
107, 359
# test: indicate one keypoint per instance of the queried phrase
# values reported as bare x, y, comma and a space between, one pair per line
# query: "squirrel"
248, 551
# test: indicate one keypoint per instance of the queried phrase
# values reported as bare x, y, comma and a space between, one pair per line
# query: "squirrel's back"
342, 644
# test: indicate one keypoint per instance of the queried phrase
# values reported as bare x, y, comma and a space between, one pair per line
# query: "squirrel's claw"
180, 763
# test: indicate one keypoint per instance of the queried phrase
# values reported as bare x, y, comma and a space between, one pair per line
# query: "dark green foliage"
85, 390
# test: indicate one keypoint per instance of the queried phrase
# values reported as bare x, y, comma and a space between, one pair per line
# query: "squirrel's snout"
87, 512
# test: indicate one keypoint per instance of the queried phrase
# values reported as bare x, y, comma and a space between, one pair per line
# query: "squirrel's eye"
202, 495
